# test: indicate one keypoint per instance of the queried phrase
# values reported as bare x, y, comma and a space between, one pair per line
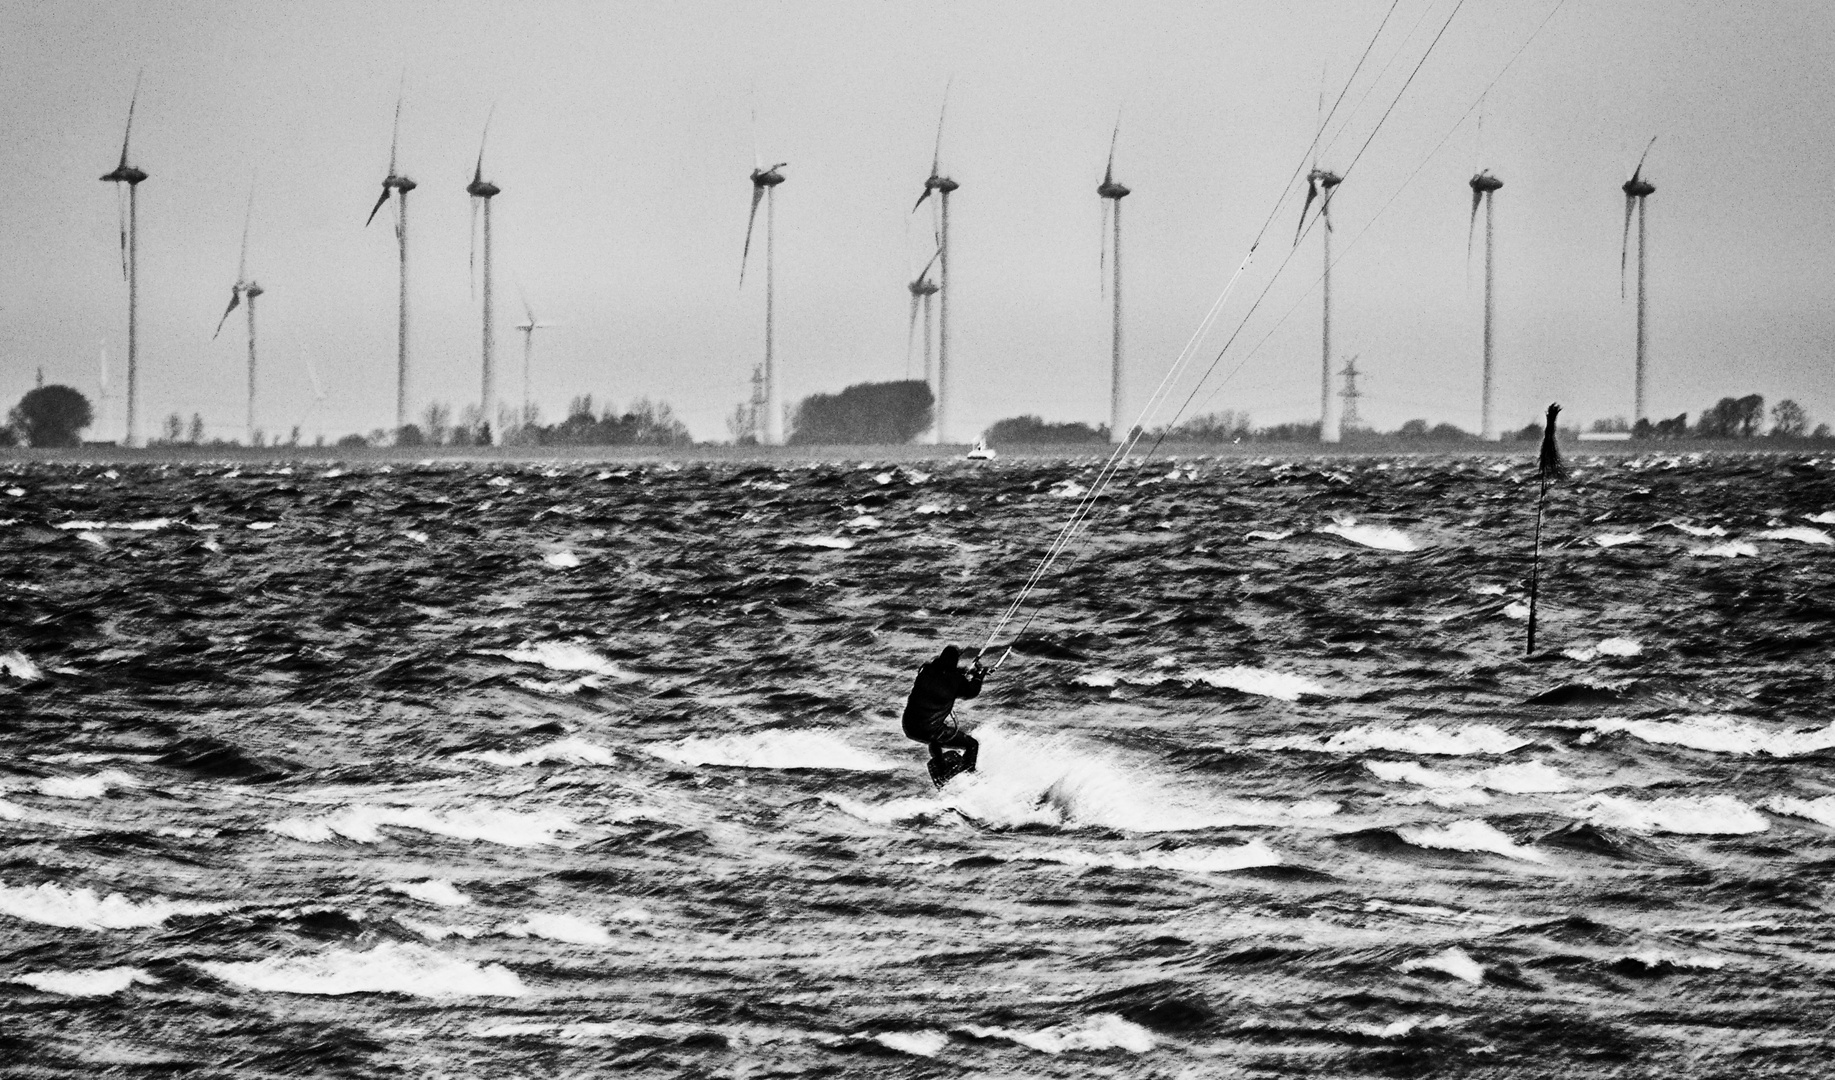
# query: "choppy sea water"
533, 770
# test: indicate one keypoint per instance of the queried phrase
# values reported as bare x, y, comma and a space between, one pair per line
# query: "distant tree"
1751, 415
410, 435
9, 436
1217, 427
1448, 433
646, 423
1789, 420
377, 437
1412, 429
865, 414
172, 429
1307, 432
1821, 432
293, 438
742, 425
1718, 421
52, 415
197, 429
1024, 430
1610, 424
353, 440
1529, 432
436, 422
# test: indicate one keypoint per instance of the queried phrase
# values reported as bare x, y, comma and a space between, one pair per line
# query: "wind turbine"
318, 393
245, 288
764, 181
1114, 193
130, 263
942, 185
1320, 183
1636, 190
1484, 185
528, 328
483, 190
922, 289
103, 393
398, 183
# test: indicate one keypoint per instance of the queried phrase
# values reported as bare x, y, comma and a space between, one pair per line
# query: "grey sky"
622, 145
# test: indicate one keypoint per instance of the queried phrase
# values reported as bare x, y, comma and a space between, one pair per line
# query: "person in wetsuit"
933, 698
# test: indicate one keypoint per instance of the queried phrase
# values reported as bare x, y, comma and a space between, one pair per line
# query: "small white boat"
981, 451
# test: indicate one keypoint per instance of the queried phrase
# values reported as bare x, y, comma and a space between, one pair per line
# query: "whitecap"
1720, 734
148, 525
832, 543
1525, 778
81, 909
561, 560
1609, 540
562, 927
1415, 739
564, 656
1104, 1031
1272, 684
1067, 489
93, 982
16, 665
1517, 610
1732, 549
1382, 537
1803, 534
1827, 517
363, 824
1468, 835
931, 508
390, 968
1697, 530
1655, 958
261, 526
864, 521
85, 787
778, 748
916, 1043
1619, 646
1266, 534
573, 750
1186, 860
437, 891
1711, 815
1454, 961
1820, 810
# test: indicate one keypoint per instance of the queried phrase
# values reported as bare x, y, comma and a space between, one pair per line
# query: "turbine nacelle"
1484, 183
768, 178
125, 174
1325, 178
923, 287
480, 188
1109, 189
1636, 188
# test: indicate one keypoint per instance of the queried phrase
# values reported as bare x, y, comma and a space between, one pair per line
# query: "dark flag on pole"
1549, 468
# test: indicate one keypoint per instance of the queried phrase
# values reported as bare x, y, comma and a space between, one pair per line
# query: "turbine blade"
248, 215
395, 132
921, 198
934, 256
1102, 260
379, 201
478, 173
524, 297
121, 208
1312, 192
1624, 244
758, 161
936, 155
911, 330
1472, 225
1108, 172
235, 298
758, 194
1638, 172
133, 101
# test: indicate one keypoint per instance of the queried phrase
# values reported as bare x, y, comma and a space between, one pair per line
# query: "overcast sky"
622, 141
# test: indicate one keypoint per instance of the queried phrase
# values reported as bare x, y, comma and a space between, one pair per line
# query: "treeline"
1729, 418
645, 423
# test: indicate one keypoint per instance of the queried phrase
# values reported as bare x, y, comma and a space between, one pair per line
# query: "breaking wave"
390, 968
82, 909
774, 749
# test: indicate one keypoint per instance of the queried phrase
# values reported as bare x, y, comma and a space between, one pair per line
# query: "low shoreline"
770, 455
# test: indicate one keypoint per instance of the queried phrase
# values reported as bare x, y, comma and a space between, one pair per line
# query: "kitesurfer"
928, 711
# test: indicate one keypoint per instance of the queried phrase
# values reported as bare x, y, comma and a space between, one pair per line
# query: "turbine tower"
1320, 183
318, 393
528, 328
245, 288
130, 266
770, 424
482, 190
942, 185
1114, 193
1484, 185
401, 184
921, 289
1637, 190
